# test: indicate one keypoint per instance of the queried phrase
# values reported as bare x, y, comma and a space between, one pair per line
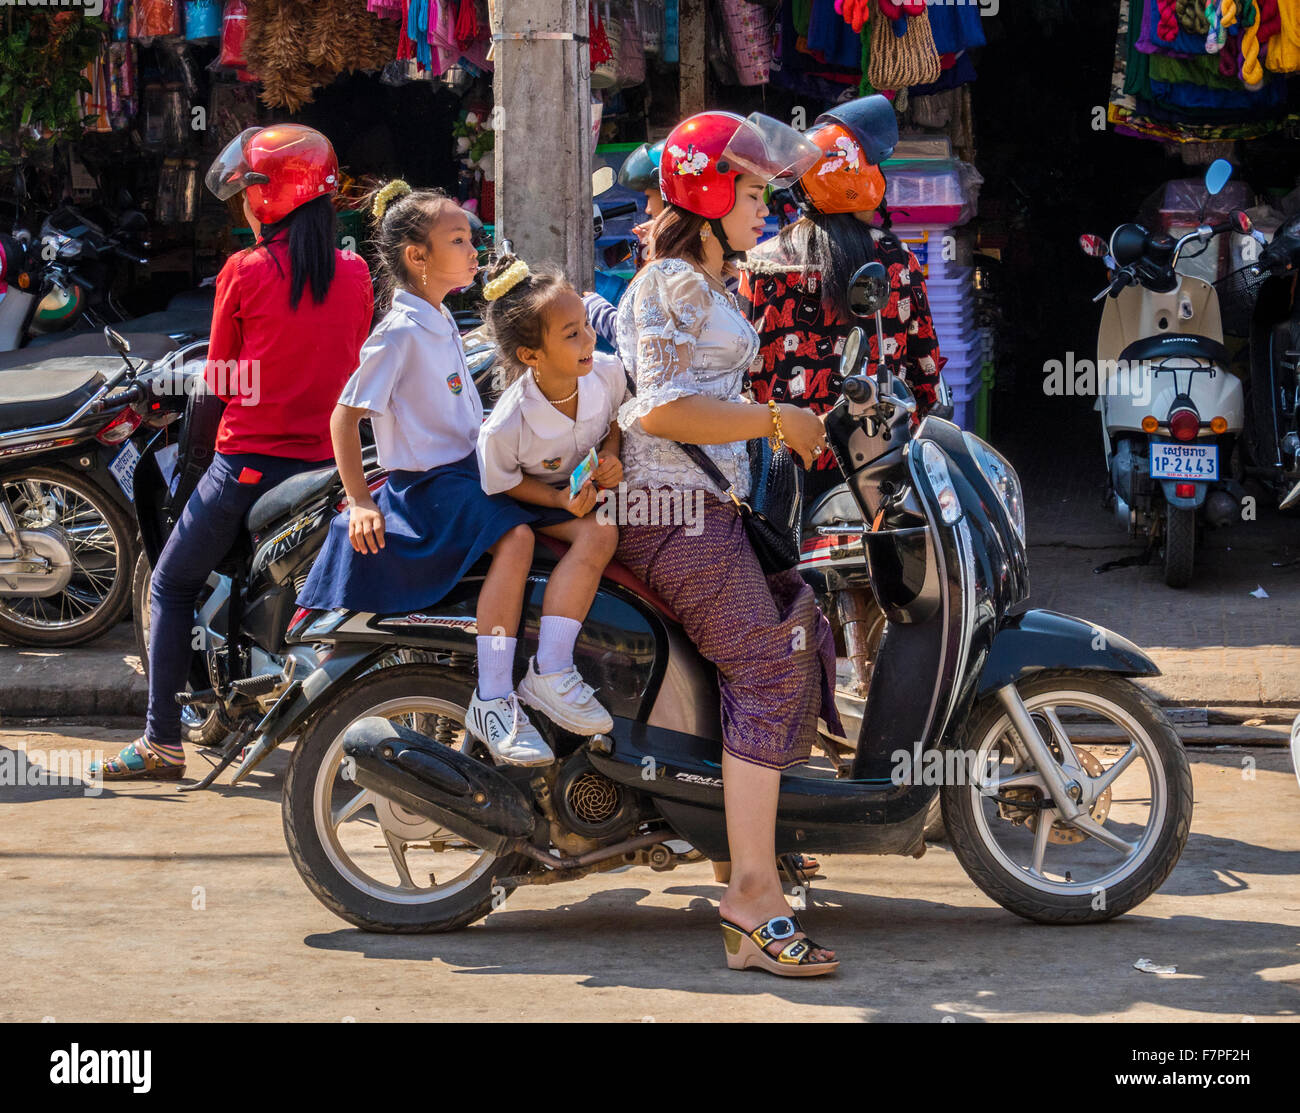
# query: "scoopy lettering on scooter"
1086, 378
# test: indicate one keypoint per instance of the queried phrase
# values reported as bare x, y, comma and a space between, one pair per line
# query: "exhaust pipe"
465, 796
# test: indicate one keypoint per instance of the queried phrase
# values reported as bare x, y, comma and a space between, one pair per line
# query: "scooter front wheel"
1113, 741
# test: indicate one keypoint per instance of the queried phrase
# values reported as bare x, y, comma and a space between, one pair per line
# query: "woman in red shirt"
290, 317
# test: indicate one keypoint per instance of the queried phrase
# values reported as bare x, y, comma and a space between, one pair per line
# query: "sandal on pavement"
136, 760
749, 948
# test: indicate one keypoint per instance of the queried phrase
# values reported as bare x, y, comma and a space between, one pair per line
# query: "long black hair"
312, 230
836, 245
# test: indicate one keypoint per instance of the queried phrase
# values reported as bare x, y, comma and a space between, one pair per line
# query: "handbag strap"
706, 465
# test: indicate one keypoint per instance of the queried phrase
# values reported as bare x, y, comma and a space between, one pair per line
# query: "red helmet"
282, 166
705, 154
843, 181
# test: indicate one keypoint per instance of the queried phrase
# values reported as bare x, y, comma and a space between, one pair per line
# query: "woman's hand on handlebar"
805, 435
366, 527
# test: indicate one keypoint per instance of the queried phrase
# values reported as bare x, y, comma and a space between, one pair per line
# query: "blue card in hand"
582, 472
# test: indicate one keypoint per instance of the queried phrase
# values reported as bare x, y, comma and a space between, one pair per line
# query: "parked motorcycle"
1260, 301
64, 278
1171, 410
1065, 790
70, 431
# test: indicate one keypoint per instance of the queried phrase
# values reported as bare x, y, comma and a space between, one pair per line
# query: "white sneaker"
564, 699
503, 726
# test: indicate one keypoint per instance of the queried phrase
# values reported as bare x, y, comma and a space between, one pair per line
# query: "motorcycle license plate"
1185, 461
123, 468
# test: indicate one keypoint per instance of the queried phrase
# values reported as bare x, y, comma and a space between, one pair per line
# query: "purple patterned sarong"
773, 648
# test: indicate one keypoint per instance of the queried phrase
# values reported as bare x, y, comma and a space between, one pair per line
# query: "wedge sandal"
747, 949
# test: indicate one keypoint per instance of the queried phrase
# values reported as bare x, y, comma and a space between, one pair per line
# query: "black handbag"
773, 513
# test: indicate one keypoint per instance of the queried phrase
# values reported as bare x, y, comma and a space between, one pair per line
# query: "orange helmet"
843, 181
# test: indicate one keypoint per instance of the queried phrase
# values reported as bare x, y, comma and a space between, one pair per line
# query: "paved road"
142, 904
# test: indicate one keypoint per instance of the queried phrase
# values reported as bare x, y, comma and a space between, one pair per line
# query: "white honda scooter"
1171, 410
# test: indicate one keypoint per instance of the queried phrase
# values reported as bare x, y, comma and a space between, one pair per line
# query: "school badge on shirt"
454, 382
552, 464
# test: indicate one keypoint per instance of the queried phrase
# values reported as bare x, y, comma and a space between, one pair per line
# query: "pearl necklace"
555, 401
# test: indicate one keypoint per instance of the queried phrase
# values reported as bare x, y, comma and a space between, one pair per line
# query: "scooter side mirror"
852, 353
1092, 245
1216, 177
869, 290
116, 342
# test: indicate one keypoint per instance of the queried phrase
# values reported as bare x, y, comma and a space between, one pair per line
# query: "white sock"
555, 644
496, 666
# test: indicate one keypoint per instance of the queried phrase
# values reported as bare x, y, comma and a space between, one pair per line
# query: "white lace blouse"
670, 310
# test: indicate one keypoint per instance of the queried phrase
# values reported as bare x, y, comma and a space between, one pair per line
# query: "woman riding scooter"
290, 316
688, 348
795, 287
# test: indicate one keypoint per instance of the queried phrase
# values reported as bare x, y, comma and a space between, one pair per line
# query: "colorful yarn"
1252, 72
1167, 27
1215, 33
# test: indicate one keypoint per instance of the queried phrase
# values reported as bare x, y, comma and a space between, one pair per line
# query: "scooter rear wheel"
1180, 545
365, 858
1014, 844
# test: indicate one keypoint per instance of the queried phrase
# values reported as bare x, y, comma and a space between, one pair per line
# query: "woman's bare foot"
749, 902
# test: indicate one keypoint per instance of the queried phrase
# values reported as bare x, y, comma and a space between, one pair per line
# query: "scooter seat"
295, 491
619, 574
47, 392
145, 345
1184, 345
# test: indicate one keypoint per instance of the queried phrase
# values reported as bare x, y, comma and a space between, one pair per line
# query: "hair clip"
386, 196
506, 281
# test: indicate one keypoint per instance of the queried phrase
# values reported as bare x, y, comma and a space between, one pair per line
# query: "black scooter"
1261, 301
1065, 790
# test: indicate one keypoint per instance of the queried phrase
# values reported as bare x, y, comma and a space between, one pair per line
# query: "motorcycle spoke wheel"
97, 539
381, 848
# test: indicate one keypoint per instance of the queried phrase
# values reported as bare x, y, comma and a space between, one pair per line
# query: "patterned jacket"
801, 344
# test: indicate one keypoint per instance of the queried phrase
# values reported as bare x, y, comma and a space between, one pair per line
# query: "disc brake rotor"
1062, 832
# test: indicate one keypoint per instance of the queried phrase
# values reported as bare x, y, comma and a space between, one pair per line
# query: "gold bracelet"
777, 438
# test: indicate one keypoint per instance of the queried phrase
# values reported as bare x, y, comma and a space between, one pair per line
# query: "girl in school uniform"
562, 403
406, 547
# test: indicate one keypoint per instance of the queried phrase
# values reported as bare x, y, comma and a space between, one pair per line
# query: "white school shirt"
424, 408
526, 435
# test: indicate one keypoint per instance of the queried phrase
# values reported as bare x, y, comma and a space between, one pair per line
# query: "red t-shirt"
282, 369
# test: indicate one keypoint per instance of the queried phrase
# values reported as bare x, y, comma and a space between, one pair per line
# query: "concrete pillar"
542, 89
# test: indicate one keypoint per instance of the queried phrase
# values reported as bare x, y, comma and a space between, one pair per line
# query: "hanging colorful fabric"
899, 62
606, 74
234, 26
600, 50
854, 12
202, 19
631, 62
749, 36
467, 25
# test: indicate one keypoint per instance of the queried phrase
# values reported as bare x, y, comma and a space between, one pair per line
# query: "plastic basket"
1238, 293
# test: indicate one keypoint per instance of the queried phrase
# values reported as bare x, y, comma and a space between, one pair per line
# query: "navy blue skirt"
437, 523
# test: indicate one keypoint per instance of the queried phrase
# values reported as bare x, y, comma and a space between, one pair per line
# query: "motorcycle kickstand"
794, 873
228, 755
